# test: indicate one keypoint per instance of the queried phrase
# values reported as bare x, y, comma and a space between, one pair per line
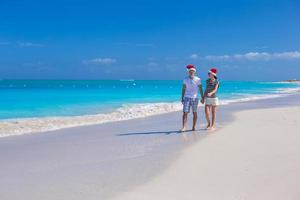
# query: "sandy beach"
253, 155
256, 157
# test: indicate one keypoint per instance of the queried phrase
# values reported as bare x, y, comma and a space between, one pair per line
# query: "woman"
211, 99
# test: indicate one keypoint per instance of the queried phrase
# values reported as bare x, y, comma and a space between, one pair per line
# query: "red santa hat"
213, 71
191, 67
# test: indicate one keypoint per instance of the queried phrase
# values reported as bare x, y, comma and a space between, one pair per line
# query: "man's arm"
201, 91
183, 92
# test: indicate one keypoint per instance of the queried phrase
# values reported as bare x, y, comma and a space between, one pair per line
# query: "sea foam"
32, 125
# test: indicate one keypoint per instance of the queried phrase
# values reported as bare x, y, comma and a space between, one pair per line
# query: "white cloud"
217, 58
251, 56
29, 44
288, 55
194, 56
100, 61
152, 64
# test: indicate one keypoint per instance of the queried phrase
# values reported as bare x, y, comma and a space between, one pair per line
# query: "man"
189, 96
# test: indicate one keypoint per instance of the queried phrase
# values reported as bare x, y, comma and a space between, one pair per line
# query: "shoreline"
38, 125
102, 161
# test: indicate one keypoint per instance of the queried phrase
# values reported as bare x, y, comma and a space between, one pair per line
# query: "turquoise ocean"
28, 106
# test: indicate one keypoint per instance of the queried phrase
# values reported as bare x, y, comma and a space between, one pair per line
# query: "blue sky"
149, 39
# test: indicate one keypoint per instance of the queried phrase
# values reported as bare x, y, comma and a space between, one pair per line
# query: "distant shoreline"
292, 81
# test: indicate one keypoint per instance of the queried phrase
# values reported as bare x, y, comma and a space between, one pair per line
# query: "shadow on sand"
153, 133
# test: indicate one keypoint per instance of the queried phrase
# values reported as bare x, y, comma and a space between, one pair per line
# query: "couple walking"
189, 98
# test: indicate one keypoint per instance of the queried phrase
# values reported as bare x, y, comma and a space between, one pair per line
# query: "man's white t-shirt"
192, 86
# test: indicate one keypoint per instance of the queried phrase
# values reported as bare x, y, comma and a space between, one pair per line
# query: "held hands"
209, 94
202, 100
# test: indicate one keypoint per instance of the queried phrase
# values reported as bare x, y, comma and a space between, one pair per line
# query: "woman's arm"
214, 91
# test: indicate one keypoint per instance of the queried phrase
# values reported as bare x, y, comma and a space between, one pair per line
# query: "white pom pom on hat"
191, 67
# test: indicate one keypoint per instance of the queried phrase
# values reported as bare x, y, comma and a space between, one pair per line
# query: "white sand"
255, 157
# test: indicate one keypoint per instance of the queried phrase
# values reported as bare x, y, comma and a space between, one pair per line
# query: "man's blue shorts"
188, 103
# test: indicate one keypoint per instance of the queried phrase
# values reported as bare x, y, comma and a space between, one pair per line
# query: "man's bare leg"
184, 121
195, 116
214, 115
207, 110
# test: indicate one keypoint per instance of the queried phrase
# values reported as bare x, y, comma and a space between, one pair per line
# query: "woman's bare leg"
207, 110
214, 116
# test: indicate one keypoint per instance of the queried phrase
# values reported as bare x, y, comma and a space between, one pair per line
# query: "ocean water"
28, 106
